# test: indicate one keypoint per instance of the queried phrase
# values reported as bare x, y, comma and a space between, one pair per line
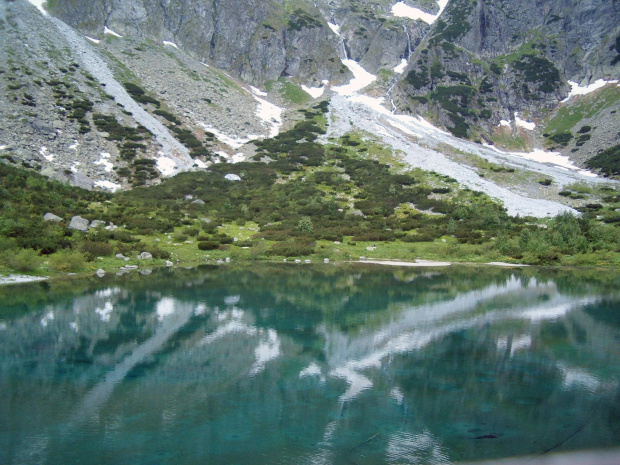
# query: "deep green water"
309, 365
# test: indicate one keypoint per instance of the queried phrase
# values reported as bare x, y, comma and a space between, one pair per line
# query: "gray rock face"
258, 41
79, 223
51, 217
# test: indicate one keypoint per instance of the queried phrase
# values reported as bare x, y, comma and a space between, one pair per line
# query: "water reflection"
338, 364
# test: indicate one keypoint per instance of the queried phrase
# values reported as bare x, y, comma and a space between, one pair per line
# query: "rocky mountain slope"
138, 90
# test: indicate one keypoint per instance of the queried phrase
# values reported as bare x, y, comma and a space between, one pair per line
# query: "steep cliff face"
484, 60
256, 40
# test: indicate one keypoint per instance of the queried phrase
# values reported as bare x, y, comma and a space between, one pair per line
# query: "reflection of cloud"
397, 395
357, 382
266, 351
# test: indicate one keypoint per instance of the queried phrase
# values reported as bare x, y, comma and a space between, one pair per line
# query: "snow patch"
199, 163
576, 89
504, 123
258, 92
75, 144
314, 92
335, 28
111, 186
270, 114
110, 32
172, 44
104, 160
400, 69
233, 142
402, 10
361, 79
2, 147
524, 124
94, 41
39, 4
166, 165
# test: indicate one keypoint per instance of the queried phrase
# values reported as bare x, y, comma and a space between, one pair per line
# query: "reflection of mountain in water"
343, 364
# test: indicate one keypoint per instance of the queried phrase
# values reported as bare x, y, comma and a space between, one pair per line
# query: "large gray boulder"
79, 223
145, 256
51, 217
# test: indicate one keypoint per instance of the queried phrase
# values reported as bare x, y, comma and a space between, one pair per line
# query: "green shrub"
94, 249
291, 249
21, 260
67, 260
208, 245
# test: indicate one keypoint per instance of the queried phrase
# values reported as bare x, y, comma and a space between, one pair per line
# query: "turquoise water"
309, 365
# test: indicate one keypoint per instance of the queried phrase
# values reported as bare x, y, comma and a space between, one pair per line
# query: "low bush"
21, 260
67, 260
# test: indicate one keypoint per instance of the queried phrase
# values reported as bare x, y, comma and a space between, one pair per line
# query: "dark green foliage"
292, 249
562, 138
139, 95
208, 245
607, 162
539, 71
301, 19
169, 116
455, 25
418, 79
94, 249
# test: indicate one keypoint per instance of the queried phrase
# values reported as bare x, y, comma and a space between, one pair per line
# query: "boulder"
169, 263
198, 202
97, 223
145, 256
232, 177
100, 273
79, 223
51, 217
120, 256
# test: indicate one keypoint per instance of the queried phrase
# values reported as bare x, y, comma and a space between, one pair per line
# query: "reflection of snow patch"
400, 69
110, 32
357, 383
165, 307
266, 351
105, 312
402, 10
232, 299
397, 395
524, 124
361, 79
576, 377
521, 343
312, 370
47, 318
576, 89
